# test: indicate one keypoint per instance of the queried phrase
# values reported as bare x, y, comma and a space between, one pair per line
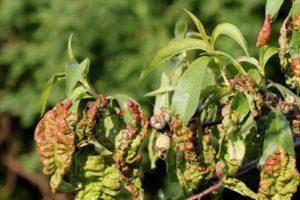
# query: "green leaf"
236, 64
162, 100
199, 26
277, 134
70, 52
166, 89
266, 52
171, 49
122, 100
73, 75
171, 165
284, 91
47, 89
188, 91
295, 7
231, 31
241, 105
180, 29
247, 126
239, 187
273, 7
86, 66
80, 93
100, 148
247, 59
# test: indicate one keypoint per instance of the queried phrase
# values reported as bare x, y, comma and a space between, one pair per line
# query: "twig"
206, 192
210, 123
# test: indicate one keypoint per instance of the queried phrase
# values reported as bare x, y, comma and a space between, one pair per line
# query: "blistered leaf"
278, 134
174, 47
55, 144
273, 7
122, 100
47, 89
241, 105
188, 90
239, 187
231, 31
198, 25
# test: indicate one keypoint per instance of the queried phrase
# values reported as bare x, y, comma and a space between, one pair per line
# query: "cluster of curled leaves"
213, 113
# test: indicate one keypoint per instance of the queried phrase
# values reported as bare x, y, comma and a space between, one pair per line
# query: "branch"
206, 192
210, 123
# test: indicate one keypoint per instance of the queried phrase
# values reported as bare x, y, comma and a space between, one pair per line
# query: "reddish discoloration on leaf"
264, 33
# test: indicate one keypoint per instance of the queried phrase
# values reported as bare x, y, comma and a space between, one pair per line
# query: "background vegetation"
118, 36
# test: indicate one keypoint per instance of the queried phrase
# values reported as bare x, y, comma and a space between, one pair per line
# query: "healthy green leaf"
171, 165
73, 74
230, 59
266, 52
278, 134
70, 52
284, 91
79, 93
273, 7
180, 29
231, 31
169, 88
47, 89
199, 26
295, 8
174, 47
122, 100
162, 100
247, 59
188, 90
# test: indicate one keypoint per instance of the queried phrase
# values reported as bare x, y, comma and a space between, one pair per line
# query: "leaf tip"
70, 52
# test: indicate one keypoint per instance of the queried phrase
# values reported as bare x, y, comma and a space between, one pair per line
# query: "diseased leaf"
241, 105
273, 7
278, 134
174, 47
231, 31
122, 99
188, 90
239, 187
47, 89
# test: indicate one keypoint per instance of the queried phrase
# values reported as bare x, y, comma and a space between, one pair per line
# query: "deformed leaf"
278, 134
174, 47
241, 105
122, 100
284, 91
47, 89
231, 31
188, 90
239, 187
171, 165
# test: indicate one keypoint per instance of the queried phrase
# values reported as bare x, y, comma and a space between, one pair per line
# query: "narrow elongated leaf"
180, 29
47, 89
162, 100
122, 99
199, 26
247, 59
273, 7
73, 75
278, 134
296, 7
171, 165
188, 90
266, 52
284, 91
70, 52
231, 31
160, 91
236, 64
174, 47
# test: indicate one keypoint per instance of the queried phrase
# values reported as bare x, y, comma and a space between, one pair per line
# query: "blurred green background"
119, 36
